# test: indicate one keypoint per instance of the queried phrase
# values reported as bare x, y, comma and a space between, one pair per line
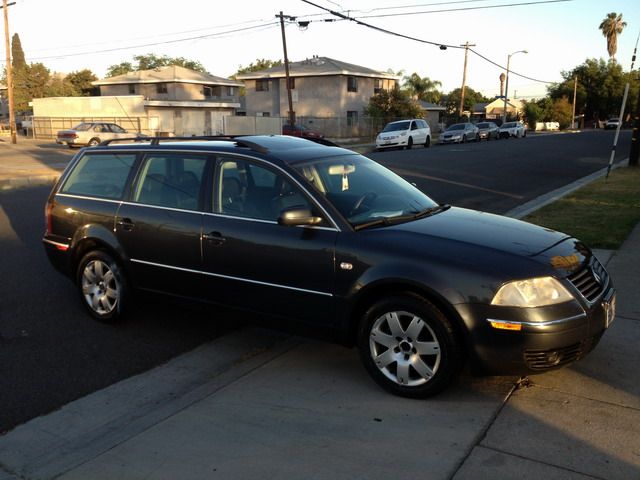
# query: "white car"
612, 123
92, 133
404, 134
512, 129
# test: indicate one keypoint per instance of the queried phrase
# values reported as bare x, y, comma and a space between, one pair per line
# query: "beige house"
181, 101
495, 109
320, 87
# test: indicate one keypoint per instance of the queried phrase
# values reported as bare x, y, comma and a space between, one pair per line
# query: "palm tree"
422, 88
612, 27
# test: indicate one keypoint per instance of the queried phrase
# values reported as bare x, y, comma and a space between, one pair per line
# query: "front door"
253, 262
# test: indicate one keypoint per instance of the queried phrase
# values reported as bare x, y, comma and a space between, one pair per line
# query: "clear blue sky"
68, 35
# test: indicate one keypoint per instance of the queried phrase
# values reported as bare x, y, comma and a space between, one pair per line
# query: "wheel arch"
94, 237
370, 294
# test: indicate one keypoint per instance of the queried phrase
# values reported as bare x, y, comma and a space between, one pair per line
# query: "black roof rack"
239, 140
157, 140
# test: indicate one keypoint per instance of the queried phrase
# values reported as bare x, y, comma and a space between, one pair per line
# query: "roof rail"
157, 140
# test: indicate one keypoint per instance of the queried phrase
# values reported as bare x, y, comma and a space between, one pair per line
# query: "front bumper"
537, 339
450, 140
392, 143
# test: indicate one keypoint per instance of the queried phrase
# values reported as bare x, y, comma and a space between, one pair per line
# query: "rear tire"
409, 346
102, 286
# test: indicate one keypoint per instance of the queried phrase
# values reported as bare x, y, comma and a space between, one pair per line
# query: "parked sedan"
92, 133
612, 123
488, 130
460, 133
512, 129
300, 131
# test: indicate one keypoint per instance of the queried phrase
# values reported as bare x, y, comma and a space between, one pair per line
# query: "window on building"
352, 117
292, 83
377, 85
352, 84
161, 88
262, 85
207, 91
231, 91
132, 89
266, 114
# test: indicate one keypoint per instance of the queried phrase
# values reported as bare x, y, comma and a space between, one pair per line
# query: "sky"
70, 35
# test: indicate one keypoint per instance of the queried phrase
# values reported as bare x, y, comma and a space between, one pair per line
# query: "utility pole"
634, 153
575, 91
7, 45
292, 119
464, 75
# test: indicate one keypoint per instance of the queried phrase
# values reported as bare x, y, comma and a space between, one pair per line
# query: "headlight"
534, 292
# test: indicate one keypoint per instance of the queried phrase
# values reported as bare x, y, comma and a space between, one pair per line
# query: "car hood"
453, 132
392, 132
482, 241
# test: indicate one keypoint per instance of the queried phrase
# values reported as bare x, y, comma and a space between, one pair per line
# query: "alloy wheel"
404, 348
100, 287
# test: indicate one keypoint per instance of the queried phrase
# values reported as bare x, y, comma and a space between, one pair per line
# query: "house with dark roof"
320, 87
177, 99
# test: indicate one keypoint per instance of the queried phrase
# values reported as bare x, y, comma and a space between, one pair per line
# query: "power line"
199, 37
483, 7
442, 46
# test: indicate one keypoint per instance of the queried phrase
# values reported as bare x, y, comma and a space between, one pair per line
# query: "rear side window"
101, 175
171, 181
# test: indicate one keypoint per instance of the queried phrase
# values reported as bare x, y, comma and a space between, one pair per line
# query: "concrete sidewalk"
261, 404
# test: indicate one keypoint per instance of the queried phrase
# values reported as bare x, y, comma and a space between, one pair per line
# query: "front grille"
557, 357
590, 280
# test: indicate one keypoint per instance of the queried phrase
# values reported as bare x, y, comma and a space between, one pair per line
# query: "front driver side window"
248, 190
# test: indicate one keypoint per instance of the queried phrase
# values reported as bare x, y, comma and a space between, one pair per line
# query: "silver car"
92, 133
460, 133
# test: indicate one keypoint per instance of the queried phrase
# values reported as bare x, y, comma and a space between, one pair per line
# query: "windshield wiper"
427, 212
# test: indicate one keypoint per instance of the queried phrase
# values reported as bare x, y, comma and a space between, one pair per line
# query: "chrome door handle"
215, 238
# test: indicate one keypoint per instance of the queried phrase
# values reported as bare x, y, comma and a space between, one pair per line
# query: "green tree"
17, 54
28, 83
422, 88
259, 64
451, 100
152, 61
391, 104
532, 113
561, 111
81, 82
59, 86
611, 27
600, 88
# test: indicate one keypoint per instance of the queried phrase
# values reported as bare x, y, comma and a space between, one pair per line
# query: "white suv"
404, 134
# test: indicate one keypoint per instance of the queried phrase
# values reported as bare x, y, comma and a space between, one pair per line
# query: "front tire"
102, 286
409, 143
409, 346
427, 142
93, 142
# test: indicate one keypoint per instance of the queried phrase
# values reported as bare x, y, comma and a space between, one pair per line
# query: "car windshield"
363, 190
457, 126
509, 125
83, 127
395, 126
483, 125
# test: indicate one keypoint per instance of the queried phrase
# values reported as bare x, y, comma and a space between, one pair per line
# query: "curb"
31, 181
543, 200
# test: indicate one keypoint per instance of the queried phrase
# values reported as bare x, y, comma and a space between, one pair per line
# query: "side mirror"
298, 216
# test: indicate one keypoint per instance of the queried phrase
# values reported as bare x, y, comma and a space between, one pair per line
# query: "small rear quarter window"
101, 175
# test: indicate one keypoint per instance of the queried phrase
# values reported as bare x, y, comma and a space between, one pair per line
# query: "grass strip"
601, 214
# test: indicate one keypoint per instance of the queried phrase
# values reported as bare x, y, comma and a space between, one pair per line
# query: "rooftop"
169, 74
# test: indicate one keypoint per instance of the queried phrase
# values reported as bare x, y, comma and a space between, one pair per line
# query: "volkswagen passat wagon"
324, 236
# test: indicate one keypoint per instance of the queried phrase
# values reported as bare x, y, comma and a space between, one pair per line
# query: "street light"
506, 85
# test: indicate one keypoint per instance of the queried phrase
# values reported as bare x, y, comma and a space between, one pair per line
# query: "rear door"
160, 226
251, 261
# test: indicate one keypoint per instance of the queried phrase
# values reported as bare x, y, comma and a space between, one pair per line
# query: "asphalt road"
51, 352
499, 175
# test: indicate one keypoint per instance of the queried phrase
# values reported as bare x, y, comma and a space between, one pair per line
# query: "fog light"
553, 358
